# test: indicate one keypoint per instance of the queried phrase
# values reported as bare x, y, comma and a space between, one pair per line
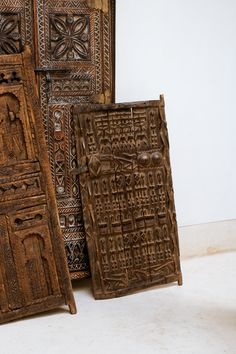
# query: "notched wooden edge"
102, 5
86, 108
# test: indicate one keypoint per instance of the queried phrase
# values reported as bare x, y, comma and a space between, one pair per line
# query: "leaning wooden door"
127, 194
33, 270
73, 45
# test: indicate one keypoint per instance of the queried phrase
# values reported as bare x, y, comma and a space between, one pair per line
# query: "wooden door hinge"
103, 98
102, 5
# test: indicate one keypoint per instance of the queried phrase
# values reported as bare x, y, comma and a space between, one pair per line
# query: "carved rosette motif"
16, 25
10, 40
69, 35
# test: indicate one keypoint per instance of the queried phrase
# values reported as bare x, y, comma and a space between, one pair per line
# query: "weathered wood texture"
128, 202
73, 42
75, 56
33, 272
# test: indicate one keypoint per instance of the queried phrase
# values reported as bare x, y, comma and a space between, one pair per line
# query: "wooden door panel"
30, 237
74, 50
75, 61
33, 272
127, 193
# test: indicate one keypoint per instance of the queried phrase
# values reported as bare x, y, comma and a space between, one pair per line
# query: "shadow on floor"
83, 285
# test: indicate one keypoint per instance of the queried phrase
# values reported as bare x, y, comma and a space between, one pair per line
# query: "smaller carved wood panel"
33, 271
127, 195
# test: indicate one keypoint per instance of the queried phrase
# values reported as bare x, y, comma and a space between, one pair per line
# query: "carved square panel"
76, 45
69, 37
127, 194
16, 25
10, 33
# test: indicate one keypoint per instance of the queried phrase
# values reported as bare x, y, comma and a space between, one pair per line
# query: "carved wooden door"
75, 65
128, 203
33, 270
73, 42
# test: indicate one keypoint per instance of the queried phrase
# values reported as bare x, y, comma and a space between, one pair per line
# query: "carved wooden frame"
33, 272
66, 80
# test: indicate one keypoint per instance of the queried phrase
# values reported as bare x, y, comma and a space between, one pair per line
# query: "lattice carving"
75, 55
33, 271
127, 194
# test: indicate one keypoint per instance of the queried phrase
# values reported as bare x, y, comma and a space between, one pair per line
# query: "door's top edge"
116, 106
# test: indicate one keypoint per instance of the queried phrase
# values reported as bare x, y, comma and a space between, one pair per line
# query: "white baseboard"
205, 239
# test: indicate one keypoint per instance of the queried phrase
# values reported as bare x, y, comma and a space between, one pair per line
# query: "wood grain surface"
127, 194
74, 57
33, 272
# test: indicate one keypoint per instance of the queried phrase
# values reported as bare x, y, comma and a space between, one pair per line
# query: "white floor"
198, 318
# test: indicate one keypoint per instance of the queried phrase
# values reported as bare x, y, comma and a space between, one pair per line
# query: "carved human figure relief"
12, 140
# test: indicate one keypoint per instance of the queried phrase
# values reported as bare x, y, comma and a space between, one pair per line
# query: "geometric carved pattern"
127, 194
16, 25
73, 46
9, 33
76, 59
63, 159
33, 270
69, 35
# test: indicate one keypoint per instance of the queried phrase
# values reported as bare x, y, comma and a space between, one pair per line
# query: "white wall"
186, 49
